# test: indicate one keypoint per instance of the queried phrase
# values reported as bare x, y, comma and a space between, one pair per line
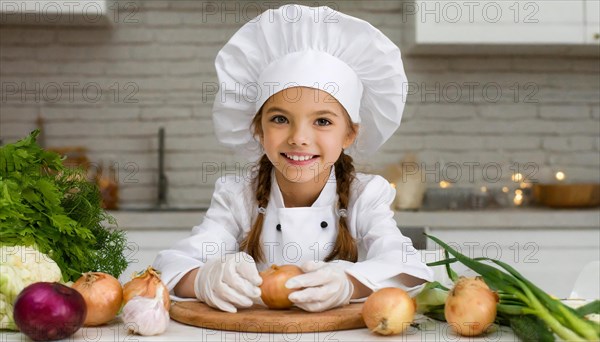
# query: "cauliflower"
21, 266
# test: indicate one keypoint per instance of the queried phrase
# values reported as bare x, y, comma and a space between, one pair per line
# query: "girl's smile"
300, 158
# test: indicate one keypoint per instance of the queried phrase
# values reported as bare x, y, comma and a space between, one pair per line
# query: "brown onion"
103, 297
470, 308
388, 311
144, 284
273, 291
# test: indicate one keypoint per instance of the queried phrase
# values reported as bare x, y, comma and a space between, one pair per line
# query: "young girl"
301, 88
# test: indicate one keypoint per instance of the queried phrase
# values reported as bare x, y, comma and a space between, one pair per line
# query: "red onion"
49, 311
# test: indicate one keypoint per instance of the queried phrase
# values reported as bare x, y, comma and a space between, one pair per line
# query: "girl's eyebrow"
319, 112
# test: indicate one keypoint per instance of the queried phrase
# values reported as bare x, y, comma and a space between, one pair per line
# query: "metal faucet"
162, 177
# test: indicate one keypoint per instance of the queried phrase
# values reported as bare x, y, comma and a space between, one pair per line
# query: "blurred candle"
517, 177
560, 176
518, 200
505, 189
525, 185
483, 189
444, 184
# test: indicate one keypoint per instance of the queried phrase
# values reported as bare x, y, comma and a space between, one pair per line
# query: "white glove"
229, 284
326, 286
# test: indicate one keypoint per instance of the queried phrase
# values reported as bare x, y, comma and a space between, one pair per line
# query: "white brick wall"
151, 66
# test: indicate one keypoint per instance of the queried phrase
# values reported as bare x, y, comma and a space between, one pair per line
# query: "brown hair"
345, 246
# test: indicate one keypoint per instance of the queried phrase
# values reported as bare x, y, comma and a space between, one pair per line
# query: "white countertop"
429, 330
509, 218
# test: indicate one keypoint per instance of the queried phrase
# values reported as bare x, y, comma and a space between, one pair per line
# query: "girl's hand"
230, 283
326, 286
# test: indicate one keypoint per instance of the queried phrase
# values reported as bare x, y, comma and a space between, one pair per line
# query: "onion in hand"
470, 307
103, 296
273, 291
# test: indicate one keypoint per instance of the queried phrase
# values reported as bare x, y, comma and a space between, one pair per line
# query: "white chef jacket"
294, 235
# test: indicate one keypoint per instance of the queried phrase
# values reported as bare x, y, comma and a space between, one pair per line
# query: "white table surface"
430, 330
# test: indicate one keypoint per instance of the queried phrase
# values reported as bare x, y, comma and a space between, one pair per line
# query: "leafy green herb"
55, 208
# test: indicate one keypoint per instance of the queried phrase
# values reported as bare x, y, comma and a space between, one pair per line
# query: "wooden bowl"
567, 195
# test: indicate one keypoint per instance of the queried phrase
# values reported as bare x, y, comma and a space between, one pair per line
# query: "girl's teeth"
299, 158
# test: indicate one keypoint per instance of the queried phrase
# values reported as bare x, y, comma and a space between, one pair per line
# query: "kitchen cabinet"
538, 254
550, 247
144, 245
551, 259
479, 26
149, 232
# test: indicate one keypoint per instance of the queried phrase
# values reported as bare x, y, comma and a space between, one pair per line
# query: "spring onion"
528, 310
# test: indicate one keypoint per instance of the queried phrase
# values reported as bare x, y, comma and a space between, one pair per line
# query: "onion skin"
103, 296
49, 311
470, 308
388, 311
273, 291
145, 284
146, 316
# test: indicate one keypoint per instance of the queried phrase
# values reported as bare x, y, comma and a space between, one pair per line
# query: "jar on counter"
108, 185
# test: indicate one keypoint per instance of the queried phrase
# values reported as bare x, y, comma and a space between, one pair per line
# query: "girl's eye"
279, 119
323, 122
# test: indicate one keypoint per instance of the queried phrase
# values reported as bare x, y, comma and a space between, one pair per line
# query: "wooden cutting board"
259, 319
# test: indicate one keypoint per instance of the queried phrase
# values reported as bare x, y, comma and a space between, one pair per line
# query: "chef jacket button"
323, 224
278, 227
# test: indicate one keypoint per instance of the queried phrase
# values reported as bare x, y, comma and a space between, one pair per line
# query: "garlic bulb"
145, 284
146, 316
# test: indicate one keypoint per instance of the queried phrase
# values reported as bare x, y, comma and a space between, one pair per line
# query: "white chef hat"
315, 47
